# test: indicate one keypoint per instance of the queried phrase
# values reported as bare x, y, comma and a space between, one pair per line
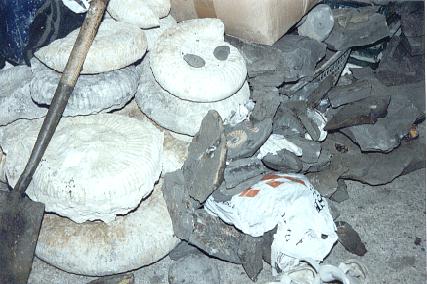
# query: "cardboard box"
257, 21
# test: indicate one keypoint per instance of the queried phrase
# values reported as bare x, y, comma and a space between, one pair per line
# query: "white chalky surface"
95, 167
116, 45
215, 81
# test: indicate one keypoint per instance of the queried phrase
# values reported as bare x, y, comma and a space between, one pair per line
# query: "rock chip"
318, 23
356, 27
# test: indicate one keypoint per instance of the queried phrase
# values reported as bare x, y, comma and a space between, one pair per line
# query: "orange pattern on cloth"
274, 176
250, 192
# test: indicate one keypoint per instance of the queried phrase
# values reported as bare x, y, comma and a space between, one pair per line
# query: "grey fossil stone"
241, 170
356, 27
194, 60
92, 94
204, 168
15, 96
245, 138
284, 161
404, 109
356, 91
365, 111
221, 52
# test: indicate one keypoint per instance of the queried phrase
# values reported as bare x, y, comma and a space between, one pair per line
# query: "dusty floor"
389, 219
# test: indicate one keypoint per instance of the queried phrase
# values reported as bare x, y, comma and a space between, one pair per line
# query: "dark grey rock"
268, 79
354, 92
183, 249
326, 181
180, 205
286, 123
194, 269
127, 278
284, 161
194, 60
321, 164
333, 209
250, 253
222, 52
386, 133
372, 168
204, 168
300, 109
260, 59
319, 92
415, 45
398, 67
341, 194
365, 111
300, 56
356, 27
267, 101
310, 149
350, 239
245, 138
241, 170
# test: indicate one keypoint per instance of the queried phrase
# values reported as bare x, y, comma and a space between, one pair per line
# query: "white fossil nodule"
178, 115
94, 168
116, 45
217, 79
139, 238
142, 13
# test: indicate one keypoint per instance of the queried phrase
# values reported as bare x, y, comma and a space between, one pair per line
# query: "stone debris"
350, 239
357, 27
194, 269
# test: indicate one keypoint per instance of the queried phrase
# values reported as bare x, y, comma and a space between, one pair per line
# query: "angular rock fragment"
284, 161
299, 55
241, 170
387, 132
286, 123
127, 278
356, 27
194, 269
341, 194
204, 168
350, 239
365, 111
15, 96
326, 181
398, 67
260, 59
356, 91
267, 102
245, 138
92, 94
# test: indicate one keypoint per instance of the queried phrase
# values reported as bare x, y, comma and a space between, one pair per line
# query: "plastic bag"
305, 227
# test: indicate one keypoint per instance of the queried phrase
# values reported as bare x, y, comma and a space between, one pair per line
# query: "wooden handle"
63, 91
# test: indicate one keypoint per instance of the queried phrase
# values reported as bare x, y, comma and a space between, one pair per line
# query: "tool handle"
63, 91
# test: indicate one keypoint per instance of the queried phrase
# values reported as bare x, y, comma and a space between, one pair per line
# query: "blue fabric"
15, 19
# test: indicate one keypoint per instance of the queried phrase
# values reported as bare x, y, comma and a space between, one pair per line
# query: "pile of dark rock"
372, 112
